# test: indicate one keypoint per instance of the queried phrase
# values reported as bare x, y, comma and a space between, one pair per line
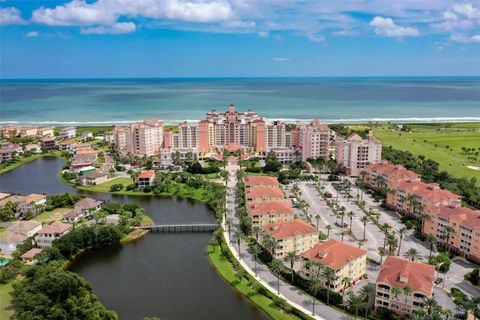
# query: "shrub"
116, 187
147, 189
131, 187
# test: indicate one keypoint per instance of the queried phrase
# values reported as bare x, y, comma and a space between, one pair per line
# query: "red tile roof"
388, 169
56, 227
287, 229
147, 174
30, 254
334, 253
269, 207
399, 273
264, 192
431, 191
260, 180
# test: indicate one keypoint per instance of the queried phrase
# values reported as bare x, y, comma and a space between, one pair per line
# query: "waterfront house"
68, 132
268, 212
66, 145
79, 146
27, 228
92, 179
10, 242
83, 209
400, 273
33, 147
146, 178
7, 155
29, 256
45, 132
86, 135
293, 235
34, 202
264, 194
48, 144
49, 233
345, 259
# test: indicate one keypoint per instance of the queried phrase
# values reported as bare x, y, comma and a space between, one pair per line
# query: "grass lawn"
21, 160
49, 216
3, 232
5, 300
180, 191
225, 269
96, 130
439, 143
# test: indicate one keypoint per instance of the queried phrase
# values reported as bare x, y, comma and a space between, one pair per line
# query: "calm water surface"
163, 275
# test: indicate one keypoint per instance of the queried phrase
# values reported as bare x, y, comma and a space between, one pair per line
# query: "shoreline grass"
225, 269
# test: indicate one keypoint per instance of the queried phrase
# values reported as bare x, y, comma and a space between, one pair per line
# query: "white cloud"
32, 34
316, 38
465, 39
117, 28
10, 15
263, 34
386, 27
280, 59
460, 17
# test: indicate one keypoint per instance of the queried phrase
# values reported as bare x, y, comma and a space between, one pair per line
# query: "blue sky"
238, 38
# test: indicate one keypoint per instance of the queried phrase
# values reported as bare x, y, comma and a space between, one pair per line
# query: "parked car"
438, 280
328, 195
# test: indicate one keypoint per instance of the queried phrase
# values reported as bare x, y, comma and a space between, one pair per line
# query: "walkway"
292, 295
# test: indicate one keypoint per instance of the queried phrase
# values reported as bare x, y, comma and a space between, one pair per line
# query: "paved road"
293, 295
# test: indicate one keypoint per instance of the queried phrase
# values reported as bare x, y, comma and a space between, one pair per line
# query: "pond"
163, 275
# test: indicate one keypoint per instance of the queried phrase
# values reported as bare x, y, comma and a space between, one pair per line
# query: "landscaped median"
231, 270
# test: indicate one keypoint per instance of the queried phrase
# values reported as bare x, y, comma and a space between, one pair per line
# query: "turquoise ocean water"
416, 99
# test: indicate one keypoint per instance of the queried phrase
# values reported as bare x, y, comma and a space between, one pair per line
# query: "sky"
238, 38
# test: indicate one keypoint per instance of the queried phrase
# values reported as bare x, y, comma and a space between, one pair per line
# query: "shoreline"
359, 121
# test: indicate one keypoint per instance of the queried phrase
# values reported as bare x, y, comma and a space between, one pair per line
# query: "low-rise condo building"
356, 153
45, 132
49, 233
346, 260
455, 227
252, 182
385, 175
413, 197
402, 286
268, 212
48, 144
291, 236
264, 194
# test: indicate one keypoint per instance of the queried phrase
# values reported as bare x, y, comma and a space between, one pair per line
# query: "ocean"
334, 100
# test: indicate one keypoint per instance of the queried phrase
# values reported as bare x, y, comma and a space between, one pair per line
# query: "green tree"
329, 276
276, 267
291, 255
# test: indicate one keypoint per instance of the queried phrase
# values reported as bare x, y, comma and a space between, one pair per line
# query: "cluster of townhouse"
453, 225
233, 130
268, 209
43, 235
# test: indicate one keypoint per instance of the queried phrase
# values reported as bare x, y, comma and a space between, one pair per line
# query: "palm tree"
449, 230
328, 227
256, 231
346, 282
412, 254
342, 234
432, 240
396, 292
407, 291
385, 228
431, 305
256, 251
317, 217
423, 216
382, 252
350, 215
238, 235
276, 267
401, 233
291, 255
355, 302
329, 276
364, 220
314, 285
367, 291
228, 221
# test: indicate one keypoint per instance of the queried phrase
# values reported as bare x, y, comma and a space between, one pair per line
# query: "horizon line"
239, 77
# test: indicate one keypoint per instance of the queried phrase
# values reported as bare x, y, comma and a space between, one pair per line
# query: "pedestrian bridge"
189, 227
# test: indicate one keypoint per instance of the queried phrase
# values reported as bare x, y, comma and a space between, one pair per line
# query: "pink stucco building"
356, 153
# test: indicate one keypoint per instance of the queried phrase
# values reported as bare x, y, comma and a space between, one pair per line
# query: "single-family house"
146, 178
50, 232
